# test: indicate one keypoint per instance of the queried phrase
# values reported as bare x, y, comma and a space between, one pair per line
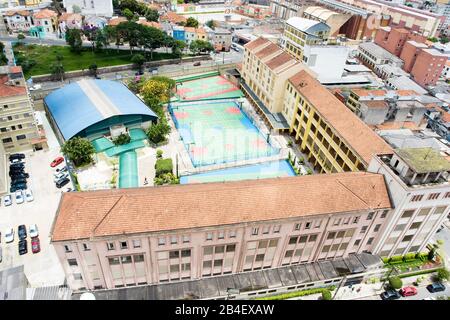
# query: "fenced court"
218, 132
216, 87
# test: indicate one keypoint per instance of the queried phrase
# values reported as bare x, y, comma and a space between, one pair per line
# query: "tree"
93, 69
177, 48
152, 15
326, 295
444, 40
192, 22
210, 23
78, 150
91, 34
20, 37
395, 282
202, 46
57, 70
443, 274
128, 14
139, 60
155, 93
122, 139
101, 40
151, 38
3, 58
156, 133
73, 39
130, 32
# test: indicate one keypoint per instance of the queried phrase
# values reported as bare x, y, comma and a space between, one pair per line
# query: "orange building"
428, 67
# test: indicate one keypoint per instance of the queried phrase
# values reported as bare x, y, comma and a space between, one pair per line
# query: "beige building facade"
214, 229
18, 128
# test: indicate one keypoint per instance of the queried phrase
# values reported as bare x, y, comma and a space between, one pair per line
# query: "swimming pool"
218, 132
271, 169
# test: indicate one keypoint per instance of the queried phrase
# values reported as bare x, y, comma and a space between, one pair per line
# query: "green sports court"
206, 88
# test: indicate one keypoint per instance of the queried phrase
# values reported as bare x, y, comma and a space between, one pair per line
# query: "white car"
9, 235
33, 231
29, 195
7, 200
19, 197
35, 87
60, 176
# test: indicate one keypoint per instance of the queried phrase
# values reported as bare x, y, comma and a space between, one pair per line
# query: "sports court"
265, 170
215, 87
218, 132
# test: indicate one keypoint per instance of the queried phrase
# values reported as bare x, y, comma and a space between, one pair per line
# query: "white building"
417, 180
90, 7
327, 61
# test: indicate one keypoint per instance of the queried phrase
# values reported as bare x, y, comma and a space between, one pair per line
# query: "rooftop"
45, 14
423, 160
379, 52
103, 213
303, 24
405, 83
353, 130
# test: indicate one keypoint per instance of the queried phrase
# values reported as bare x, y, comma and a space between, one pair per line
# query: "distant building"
3, 171
428, 67
18, 20
409, 54
45, 23
18, 129
90, 7
372, 55
69, 21
221, 40
394, 39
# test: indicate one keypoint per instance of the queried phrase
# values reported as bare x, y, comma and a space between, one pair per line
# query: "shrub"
409, 257
309, 171
442, 274
326, 295
396, 259
395, 282
386, 260
157, 132
122, 139
163, 166
159, 153
301, 293
166, 178
301, 160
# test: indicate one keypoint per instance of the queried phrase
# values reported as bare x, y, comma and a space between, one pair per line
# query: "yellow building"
299, 32
328, 133
266, 68
18, 127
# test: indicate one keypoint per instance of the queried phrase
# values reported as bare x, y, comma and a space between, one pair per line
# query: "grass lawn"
46, 55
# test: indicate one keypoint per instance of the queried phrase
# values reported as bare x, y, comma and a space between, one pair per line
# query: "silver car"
19, 197
7, 200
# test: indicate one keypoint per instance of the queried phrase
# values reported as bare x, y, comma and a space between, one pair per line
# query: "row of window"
431, 196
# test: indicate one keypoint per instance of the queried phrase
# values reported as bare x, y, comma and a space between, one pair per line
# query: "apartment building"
45, 23
3, 171
328, 133
409, 54
221, 39
300, 32
18, 128
265, 69
394, 39
372, 55
376, 107
417, 179
427, 67
110, 238
18, 20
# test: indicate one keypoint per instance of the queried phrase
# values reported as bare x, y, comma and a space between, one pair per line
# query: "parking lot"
42, 268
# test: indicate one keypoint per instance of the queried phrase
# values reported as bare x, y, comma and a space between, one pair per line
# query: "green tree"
3, 58
130, 32
395, 282
79, 151
57, 70
443, 274
155, 93
101, 40
122, 139
201, 46
74, 40
326, 295
177, 48
192, 22
156, 133
210, 23
152, 15
444, 40
138, 60
433, 39
151, 38
127, 13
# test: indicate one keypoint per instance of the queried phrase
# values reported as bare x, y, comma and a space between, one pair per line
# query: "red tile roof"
9, 90
349, 127
45, 14
83, 215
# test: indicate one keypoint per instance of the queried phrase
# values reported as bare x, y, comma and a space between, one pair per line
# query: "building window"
255, 231
331, 235
447, 195
355, 220
297, 226
22, 136
337, 222
416, 198
77, 276
266, 230
86, 247
276, 229
370, 216
363, 229
439, 210
407, 238
123, 245
67, 248
433, 196
221, 235
232, 234
377, 228
407, 214
415, 225
186, 239
384, 214
136, 243
185, 253
369, 242
209, 236
161, 241
72, 262
308, 225
110, 245
357, 242
173, 240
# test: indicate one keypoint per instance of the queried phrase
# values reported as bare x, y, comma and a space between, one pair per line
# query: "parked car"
33, 231
196, 64
29, 195
9, 235
35, 245
16, 156
35, 87
14, 161
60, 176
64, 169
435, 287
7, 200
22, 232
19, 197
23, 248
62, 183
408, 291
57, 162
390, 295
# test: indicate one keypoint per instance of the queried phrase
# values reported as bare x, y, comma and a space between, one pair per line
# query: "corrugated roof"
143, 210
84, 103
353, 130
302, 23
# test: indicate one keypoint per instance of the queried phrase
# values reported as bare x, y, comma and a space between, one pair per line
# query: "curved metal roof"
79, 105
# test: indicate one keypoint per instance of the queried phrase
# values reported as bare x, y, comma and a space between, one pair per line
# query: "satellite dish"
87, 296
